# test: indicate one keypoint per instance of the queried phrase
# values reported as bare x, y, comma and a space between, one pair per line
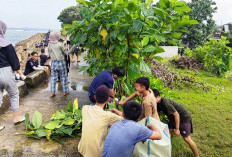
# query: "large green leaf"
132, 71
41, 132
37, 119
144, 68
164, 3
69, 121
52, 125
149, 48
137, 25
145, 41
67, 131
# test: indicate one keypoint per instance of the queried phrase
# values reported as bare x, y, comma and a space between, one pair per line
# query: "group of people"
124, 132
9, 65
96, 140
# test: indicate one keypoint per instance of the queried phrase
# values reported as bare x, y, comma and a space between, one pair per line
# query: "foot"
52, 95
66, 94
78, 61
23, 77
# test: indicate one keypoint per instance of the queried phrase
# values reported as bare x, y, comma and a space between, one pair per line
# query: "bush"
215, 55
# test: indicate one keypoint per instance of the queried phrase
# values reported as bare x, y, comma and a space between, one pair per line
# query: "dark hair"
156, 92
119, 71
33, 53
143, 81
102, 94
132, 110
42, 51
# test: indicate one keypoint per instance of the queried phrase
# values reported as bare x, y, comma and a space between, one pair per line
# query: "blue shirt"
123, 136
43, 59
29, 66
104, 78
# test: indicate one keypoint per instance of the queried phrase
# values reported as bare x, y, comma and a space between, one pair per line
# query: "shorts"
185, 128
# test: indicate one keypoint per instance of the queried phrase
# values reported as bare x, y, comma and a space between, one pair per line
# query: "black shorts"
185, 128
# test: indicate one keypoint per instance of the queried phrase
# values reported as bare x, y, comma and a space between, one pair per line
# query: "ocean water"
17, 35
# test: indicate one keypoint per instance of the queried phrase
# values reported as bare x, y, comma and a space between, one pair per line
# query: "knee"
187, 139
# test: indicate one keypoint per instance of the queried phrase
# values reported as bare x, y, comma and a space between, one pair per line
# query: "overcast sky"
44, 13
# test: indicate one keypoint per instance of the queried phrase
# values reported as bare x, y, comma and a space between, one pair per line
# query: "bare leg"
192, 145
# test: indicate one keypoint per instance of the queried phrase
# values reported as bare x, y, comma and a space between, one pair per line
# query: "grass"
212, 116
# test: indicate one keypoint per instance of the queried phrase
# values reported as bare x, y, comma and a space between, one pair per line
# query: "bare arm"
156, 133
67, 52
112, 94
132, 96
177, 121
116, 111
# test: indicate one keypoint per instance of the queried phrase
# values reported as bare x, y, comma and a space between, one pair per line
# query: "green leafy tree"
215, 55
125, 33
68, 15
202, 11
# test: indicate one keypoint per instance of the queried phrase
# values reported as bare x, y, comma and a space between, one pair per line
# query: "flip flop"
52, 95
22, 119
2, 127
65, 94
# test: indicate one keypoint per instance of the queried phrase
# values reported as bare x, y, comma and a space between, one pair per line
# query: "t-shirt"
95, 124
149, 106
168, 107
104, 78
122, 138
43, 59
29, 66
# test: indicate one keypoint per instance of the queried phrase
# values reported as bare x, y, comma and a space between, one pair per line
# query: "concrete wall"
170, 51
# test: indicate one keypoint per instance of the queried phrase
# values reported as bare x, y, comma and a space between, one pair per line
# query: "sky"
44, 13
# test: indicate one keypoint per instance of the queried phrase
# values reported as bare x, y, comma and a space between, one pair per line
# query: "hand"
46, 69
17, 76
177, 132
151, 126
114, 110
121, 103
23, 77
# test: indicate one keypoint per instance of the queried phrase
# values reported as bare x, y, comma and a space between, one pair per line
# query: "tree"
125, 33
202, 11
70, 14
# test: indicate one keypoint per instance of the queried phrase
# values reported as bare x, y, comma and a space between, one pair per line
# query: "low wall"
170, 51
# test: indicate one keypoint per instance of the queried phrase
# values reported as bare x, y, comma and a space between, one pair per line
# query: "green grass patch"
212, 116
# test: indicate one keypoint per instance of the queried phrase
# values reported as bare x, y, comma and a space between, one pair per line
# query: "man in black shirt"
33, 64
179, 119
43, 57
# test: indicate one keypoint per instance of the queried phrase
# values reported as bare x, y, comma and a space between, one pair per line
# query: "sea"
15, 35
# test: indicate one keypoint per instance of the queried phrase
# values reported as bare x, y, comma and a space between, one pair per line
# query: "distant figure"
76, 50
57, 53
9, 62
43, 57
33, 64
36, 45
182, 52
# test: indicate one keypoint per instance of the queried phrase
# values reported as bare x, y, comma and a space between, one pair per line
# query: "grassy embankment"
212, 115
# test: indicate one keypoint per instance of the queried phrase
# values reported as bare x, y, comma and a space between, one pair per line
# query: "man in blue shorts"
179, 118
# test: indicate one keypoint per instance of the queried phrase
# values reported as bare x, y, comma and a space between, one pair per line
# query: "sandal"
22, 119
66, 94
52, 95
2, 127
